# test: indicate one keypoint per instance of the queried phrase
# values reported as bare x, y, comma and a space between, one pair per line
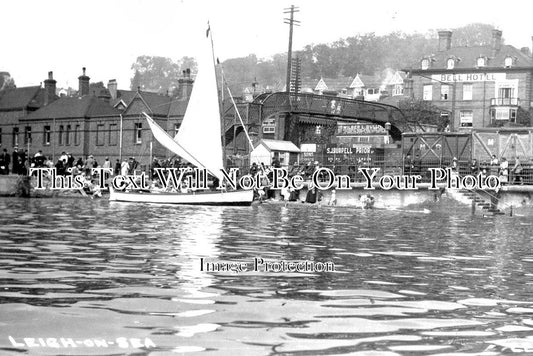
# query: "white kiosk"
268, 150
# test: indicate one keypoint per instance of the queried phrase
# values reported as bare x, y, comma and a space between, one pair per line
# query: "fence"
395, 168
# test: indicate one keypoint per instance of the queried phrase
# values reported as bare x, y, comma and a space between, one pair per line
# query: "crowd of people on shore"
497, 167
265, 173
18, 161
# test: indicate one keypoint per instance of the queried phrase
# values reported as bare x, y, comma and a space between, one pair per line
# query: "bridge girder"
335, 109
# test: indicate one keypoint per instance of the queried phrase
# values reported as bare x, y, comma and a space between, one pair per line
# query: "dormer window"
481, 62
425, 63
450, 63
508, 62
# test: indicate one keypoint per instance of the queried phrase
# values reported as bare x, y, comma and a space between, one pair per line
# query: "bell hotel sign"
468, 77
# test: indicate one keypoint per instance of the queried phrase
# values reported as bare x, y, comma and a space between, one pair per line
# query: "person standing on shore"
494, 165
107, 163
15, 157
517, 171
124, 168
89, 165
504, 171
117, 167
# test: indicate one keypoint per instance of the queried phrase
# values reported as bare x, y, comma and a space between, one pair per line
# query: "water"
91, 277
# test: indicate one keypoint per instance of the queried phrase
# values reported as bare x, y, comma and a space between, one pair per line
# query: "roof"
20, 98
178, 107
159, 104
369, 81
466, 57
74, 107
125, 95
334, 84
278, 145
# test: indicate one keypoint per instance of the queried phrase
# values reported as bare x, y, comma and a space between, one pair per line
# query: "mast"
221, 101
224, 81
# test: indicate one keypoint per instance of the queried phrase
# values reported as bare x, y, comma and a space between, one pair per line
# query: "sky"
106, 36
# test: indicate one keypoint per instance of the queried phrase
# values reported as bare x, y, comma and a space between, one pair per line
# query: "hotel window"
467, 91
67, 135
508, 62
503, 114
318, 130
46, 135
480, 62
138, 132
77, 135
27, 135
100, 137
450, 63
444, 92
500, 114
15, 136
176, 129
113, 134
505, 93
428, 92
61, 133
425, 63
466, 118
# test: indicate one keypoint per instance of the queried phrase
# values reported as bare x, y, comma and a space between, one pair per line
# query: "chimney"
185, 84
445, 40
496, 41
104, 95
83, 88
112, 87
49, 89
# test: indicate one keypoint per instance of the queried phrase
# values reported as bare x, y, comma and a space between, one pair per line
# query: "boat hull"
237, 197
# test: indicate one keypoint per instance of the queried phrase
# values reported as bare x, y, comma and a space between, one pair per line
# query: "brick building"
478, 86
16, 104
106, 122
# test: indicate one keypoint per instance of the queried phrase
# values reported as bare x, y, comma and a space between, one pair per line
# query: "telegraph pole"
291, 22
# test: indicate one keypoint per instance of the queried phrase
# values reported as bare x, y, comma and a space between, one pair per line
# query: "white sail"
166, 140
200, 131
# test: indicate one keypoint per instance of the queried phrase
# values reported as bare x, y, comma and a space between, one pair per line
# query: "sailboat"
198, 142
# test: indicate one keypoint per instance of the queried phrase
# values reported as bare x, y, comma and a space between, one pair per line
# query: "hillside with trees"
362, 53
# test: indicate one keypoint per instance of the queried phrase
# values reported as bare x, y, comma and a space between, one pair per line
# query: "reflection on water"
94, 277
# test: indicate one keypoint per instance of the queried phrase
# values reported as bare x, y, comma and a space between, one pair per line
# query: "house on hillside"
367, 87
329, 86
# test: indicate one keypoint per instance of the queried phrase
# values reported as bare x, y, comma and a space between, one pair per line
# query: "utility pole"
291, 22
296, 81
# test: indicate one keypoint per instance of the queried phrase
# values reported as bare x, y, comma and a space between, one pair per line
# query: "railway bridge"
320, 108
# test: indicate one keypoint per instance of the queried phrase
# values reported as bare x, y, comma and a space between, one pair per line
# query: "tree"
188, 63
365, 53
154, 73
422, 112
159, 74
475, 34
6, 82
